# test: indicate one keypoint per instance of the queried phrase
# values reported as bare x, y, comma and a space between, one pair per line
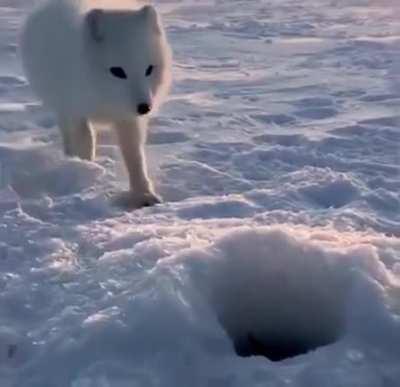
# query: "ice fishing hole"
278, 297
278, 348
281, 329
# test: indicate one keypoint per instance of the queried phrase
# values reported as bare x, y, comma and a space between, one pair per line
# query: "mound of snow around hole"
279, 296
199, 303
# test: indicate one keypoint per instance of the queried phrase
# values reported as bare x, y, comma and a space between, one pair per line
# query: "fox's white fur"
69, 48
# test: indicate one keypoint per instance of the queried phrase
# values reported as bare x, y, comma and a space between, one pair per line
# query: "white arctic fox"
100, 63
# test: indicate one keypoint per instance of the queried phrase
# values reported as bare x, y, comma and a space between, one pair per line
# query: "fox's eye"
149, 70
118, 72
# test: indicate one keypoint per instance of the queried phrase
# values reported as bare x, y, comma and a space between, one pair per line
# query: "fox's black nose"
143, 108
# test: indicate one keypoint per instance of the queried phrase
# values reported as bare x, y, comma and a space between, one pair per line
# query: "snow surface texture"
278, 156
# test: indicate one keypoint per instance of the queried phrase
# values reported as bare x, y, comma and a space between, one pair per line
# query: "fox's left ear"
151, 16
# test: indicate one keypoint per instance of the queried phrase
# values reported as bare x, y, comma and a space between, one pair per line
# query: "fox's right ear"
93, 21
150, 14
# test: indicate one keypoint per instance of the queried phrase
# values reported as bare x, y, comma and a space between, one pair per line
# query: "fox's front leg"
132, 138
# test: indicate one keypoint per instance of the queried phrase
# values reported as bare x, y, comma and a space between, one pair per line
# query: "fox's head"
129, 60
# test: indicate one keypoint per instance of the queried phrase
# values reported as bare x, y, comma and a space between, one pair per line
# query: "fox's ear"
150, 14
94, 19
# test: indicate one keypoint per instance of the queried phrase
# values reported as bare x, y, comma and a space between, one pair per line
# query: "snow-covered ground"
278, 158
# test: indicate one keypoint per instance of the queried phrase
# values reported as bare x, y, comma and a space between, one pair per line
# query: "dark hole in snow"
286, 329
276, 350
278, 297
279, 330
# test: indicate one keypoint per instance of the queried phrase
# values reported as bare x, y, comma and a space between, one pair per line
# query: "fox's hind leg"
79, 138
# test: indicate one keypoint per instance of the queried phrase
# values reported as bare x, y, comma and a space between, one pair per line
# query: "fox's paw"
135, 200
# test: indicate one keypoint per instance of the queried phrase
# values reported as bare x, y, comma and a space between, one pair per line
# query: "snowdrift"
320, 304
